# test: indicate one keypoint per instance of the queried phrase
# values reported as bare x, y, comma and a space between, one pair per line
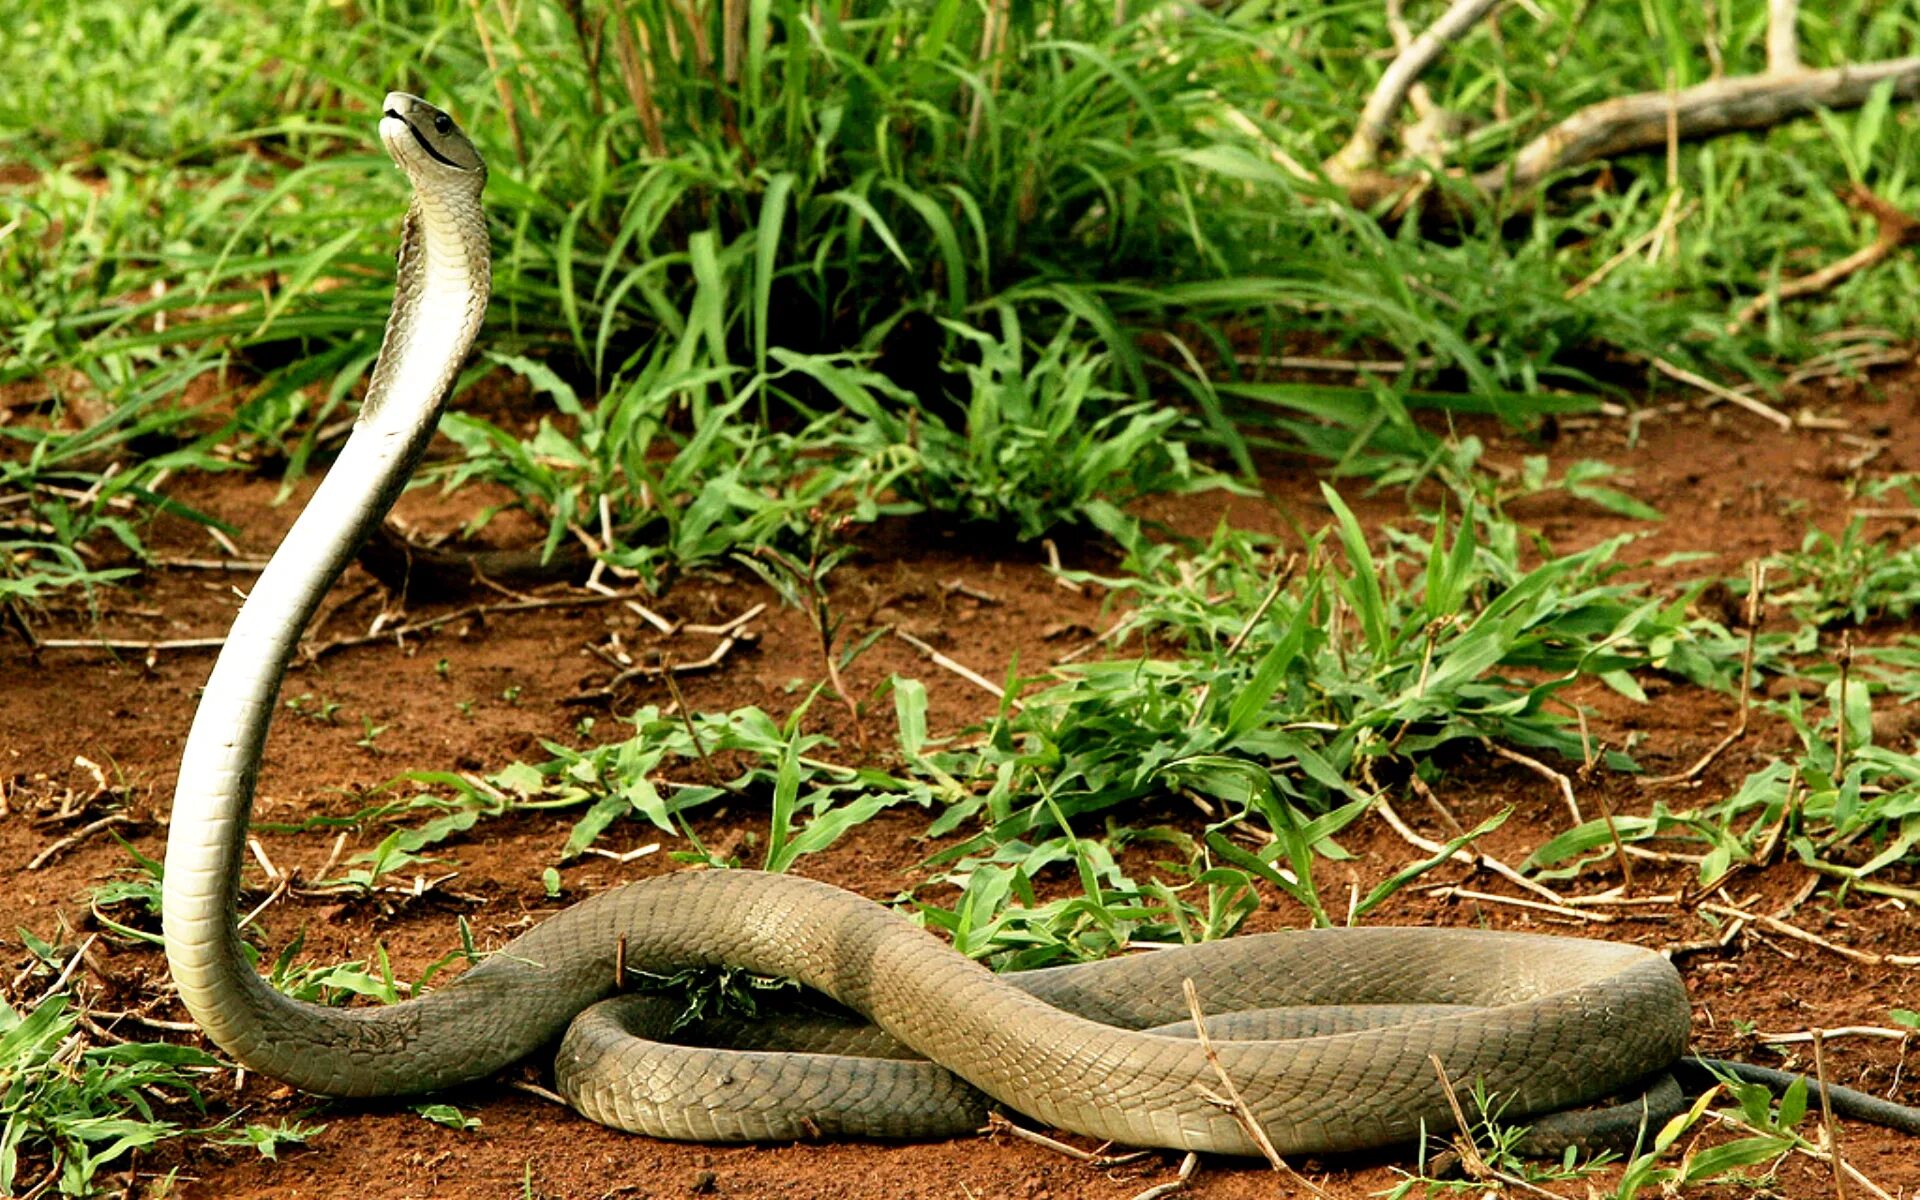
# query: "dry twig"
76, 837
1755, 613
1470, 858
998, 1123
1827, 1123
1625, 124
1454, 892
961, 669
1798, 934
1894, 230
1179, 1181
1232, 1102
1719, 392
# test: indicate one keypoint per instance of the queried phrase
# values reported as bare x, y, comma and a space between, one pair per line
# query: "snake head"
428, 145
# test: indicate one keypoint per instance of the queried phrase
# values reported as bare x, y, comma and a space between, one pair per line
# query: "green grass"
696, 224
76, 1108
758, 288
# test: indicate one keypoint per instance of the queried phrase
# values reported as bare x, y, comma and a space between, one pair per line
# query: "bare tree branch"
1640, 122
1623, 125
1783, 37
1895, 230
1376, 119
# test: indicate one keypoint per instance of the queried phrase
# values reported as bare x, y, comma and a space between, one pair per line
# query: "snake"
1327, 1039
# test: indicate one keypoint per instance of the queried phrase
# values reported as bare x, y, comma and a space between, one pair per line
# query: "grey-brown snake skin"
1546, 1021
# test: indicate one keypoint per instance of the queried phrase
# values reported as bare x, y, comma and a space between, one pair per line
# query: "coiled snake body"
1546, 1021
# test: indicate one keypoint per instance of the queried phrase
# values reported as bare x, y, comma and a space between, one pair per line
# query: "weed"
320, 709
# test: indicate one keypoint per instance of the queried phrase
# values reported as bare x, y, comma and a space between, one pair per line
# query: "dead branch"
1783, 37
1353, 160
1893, 231
958, 668
1641, 122
76, 837
1757, 407
1645, 121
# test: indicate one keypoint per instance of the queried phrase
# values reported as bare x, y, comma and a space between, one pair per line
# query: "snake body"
1546, 1022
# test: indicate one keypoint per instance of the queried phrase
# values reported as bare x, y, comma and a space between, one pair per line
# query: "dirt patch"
481, 691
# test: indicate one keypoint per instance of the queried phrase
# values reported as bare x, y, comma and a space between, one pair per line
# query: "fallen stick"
1451, 891
1893, 230
1798, 934
1463, 855
310, 652
958, 668
1717, 391
998, 1123
76, 837
1644, 121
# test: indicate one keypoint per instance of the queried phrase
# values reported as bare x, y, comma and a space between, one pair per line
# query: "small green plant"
1500, 1146
1772, 1136
317, 709
1852, 577
72, 1109
1045, 441
1843, 805
448, 1116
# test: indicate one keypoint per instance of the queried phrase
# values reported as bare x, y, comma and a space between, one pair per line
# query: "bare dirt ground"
1728, 483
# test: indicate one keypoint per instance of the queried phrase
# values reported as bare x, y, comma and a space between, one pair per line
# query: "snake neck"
440, 299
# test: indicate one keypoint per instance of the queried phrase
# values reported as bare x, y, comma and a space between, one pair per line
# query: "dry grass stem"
632, 605
1827, 1124
66, 972
76, 837
1470, 1159
534, 1089
1841, 1031
667, 671
1232, 1101
998, 1123
1439, 807
726, 627
1463, 855
1754, 614
1281, 575
1545, 772
1053, 566
1453, 892
961, 669
281, 885
1893, 231
1721, 392
1627, 252
634, 54
1611, 898
500, 85
237, 566
1798, 934
1174, 1185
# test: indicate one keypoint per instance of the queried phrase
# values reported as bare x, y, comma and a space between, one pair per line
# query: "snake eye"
442, 123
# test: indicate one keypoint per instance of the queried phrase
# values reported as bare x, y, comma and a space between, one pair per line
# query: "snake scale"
1546, 1021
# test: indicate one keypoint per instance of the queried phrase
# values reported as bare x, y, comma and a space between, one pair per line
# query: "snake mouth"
424, 144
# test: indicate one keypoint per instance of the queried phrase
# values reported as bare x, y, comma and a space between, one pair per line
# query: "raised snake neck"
1547, 1021
440, 298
